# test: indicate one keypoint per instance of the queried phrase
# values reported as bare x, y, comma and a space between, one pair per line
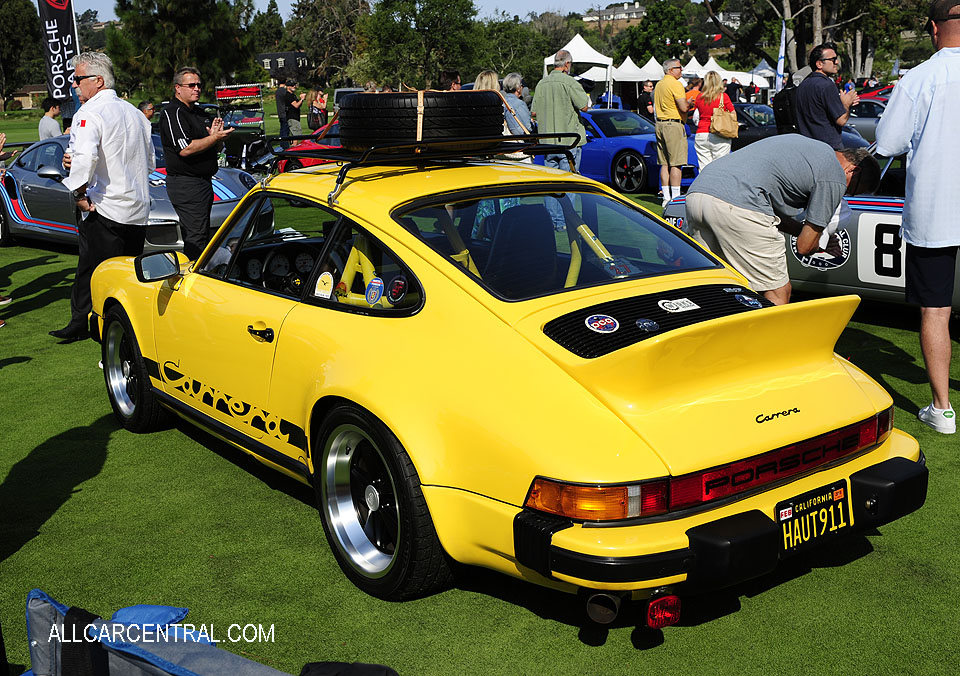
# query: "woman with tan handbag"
711, 146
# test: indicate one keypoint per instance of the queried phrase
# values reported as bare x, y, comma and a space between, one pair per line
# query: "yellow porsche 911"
511, 367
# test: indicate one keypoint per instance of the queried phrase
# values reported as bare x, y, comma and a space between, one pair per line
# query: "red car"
884, 92
330, 140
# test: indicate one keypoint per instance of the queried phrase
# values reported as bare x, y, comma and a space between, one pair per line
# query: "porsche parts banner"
59, 28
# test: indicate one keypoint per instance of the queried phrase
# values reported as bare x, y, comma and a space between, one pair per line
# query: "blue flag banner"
783, 53
59, 30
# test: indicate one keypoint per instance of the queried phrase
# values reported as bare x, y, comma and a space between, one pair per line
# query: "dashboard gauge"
254, 269
279, 266
303, 262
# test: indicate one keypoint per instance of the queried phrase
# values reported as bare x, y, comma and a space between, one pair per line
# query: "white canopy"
598, 74
693, 66
764, 70
712, 64
581, 53
629, 72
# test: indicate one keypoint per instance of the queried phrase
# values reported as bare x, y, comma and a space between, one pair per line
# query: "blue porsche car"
621, 151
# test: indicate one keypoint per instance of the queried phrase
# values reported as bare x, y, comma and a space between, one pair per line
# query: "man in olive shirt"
671, 104
556, 105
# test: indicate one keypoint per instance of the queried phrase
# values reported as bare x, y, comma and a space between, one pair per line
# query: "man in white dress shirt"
110, 160
920, 120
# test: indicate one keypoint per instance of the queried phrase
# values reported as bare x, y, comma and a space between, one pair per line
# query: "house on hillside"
618, 16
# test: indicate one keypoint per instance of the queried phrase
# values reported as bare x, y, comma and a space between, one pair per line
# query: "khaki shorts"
671, 143
748, 240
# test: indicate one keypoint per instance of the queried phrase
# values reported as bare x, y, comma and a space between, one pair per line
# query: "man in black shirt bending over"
190, 145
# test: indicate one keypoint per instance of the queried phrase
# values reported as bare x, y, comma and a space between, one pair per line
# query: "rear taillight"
598, 502
663, 611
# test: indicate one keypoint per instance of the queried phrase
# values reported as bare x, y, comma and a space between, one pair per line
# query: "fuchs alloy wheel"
125, 373
376, 119
629, 172
374, 514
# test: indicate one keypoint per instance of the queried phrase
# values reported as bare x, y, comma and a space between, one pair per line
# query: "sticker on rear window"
397, 289
374, 291
602, 323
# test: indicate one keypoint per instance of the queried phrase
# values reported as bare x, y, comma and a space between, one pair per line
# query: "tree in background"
159, 37
21, 59
266, 30
327, 31
90, 40
663, 33
506, 45
410, 41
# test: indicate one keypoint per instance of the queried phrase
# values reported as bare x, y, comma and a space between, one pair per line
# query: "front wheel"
374, 514
629, 172
128, 383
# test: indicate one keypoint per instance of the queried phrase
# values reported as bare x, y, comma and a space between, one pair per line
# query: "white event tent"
581, 52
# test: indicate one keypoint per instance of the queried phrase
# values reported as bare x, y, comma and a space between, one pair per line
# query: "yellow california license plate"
809, 519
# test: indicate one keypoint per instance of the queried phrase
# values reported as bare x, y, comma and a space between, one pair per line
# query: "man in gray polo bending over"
739, 204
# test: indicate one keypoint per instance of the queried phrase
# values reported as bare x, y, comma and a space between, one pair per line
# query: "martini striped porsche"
34, 204
870, 255
511, 367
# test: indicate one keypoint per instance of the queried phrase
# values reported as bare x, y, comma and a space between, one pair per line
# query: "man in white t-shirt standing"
110, 160
919, 120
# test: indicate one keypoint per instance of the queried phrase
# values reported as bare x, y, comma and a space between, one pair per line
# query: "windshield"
621, 123
759, 113
526, 244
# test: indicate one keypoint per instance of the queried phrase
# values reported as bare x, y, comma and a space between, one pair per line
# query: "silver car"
865, 116
34, 204
871, 258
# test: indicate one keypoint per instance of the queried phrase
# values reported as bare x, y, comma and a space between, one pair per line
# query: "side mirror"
153, 267
51, 172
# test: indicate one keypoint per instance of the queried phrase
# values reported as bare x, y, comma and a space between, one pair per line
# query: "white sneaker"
941, 420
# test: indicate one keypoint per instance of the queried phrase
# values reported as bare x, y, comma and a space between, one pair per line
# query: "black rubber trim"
532, 532
234, 435
887, 491
621, 568
714, 301
94, 327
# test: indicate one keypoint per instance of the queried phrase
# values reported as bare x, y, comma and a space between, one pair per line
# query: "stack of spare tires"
379, 119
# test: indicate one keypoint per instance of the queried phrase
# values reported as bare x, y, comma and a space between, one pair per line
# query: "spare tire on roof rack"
368, 119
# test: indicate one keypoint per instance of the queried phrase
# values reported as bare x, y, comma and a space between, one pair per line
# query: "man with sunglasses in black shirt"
190, 144
821, 109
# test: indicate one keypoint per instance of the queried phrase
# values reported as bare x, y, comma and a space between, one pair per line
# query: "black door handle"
265, 334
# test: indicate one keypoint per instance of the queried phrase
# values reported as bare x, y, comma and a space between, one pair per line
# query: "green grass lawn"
102, 518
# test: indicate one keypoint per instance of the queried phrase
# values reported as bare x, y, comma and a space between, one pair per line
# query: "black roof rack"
418, 152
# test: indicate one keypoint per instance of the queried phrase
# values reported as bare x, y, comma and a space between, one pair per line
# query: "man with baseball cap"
919, 121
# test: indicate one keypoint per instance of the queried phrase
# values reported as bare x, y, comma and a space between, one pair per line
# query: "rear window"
536, 243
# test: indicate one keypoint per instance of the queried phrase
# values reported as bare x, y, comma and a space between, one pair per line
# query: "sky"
105, 11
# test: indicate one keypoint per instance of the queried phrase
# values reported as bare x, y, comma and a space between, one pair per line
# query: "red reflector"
653, 498
885, 422
868, 433
663, 612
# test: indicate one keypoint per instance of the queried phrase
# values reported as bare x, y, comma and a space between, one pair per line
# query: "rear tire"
629, 172
128, 384
376, 119
374, 514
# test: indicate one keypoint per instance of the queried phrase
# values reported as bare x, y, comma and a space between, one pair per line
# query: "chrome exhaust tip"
603, 607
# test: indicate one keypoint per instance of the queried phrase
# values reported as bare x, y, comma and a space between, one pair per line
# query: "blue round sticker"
602, 323
374, 291
749, 301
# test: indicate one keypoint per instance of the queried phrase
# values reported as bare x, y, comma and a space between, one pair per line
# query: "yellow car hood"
728, 388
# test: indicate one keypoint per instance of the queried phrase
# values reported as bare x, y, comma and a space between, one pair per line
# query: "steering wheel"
292, 283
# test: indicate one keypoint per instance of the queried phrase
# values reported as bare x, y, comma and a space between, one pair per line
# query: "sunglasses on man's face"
832, 58
81, 78
191, 85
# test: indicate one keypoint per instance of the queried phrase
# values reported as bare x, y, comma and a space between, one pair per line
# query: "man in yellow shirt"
671, 105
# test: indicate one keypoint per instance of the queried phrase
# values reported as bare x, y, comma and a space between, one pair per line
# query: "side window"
359, 271
29, 159
50, 155
274, 245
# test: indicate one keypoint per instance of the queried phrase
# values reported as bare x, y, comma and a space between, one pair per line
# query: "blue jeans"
559, 161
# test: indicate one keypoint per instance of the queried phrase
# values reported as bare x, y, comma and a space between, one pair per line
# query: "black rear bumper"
726, 551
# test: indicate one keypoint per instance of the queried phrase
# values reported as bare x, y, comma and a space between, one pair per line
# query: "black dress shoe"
70, 333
